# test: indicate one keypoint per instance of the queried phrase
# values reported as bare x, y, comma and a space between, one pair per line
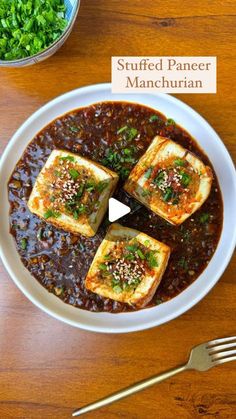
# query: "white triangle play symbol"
117, 210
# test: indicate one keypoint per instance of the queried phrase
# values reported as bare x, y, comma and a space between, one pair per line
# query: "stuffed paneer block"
128, 266
170, 180
72, 192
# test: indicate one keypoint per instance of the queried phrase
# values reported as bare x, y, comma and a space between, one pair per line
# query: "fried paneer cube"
128, 266
72, 192
170, 180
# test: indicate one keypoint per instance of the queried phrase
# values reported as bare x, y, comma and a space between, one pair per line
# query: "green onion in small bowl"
33, 30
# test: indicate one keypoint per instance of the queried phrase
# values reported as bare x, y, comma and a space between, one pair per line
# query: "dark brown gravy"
60, 260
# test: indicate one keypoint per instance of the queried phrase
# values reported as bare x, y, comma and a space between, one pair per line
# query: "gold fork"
202, 358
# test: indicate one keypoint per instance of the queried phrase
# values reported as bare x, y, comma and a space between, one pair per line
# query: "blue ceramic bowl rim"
25, 60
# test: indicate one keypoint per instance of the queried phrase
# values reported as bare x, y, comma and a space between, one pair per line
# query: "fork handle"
141, 385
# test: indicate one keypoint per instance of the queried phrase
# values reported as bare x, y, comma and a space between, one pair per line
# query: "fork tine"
213, 349
221, 361
222, 354
219, 341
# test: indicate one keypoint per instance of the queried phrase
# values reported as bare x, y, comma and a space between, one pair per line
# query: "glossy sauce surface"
60, 260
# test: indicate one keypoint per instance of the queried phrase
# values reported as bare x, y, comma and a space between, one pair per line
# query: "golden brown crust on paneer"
160, 158
40, 201
143, 293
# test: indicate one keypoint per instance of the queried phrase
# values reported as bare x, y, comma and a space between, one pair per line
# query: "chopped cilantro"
111, 157
69, 204
116, 285
122, 129
170, 121
185, 178
204, 218
153, 118
129, 256
69, 158
102, 185
78, 211
140, 254
115, 281
183, 263
80, 191
118, 161
74, 173
129, 132
29, 26
117, 289
151, 259
159, 179
124, 173
132, 247
50, 213
74, 129
23, 243
103, 266
90, 186
75, 215
148, 173
168, 194
129, 159
175, 200
133, 283
132, 133
127, 151
179, 162
145, 192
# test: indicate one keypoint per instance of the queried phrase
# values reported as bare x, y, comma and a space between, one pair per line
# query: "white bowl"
143, 319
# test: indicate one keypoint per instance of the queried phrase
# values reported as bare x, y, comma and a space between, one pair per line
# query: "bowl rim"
25, 60
170, 315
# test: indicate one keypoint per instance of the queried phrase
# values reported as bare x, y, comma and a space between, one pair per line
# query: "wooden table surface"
48, 368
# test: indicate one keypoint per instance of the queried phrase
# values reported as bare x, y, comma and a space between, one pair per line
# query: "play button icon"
117, 210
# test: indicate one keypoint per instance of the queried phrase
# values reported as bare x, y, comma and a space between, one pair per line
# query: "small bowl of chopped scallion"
33, 30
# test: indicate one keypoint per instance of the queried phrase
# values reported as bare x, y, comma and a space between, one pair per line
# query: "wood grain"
47, 368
